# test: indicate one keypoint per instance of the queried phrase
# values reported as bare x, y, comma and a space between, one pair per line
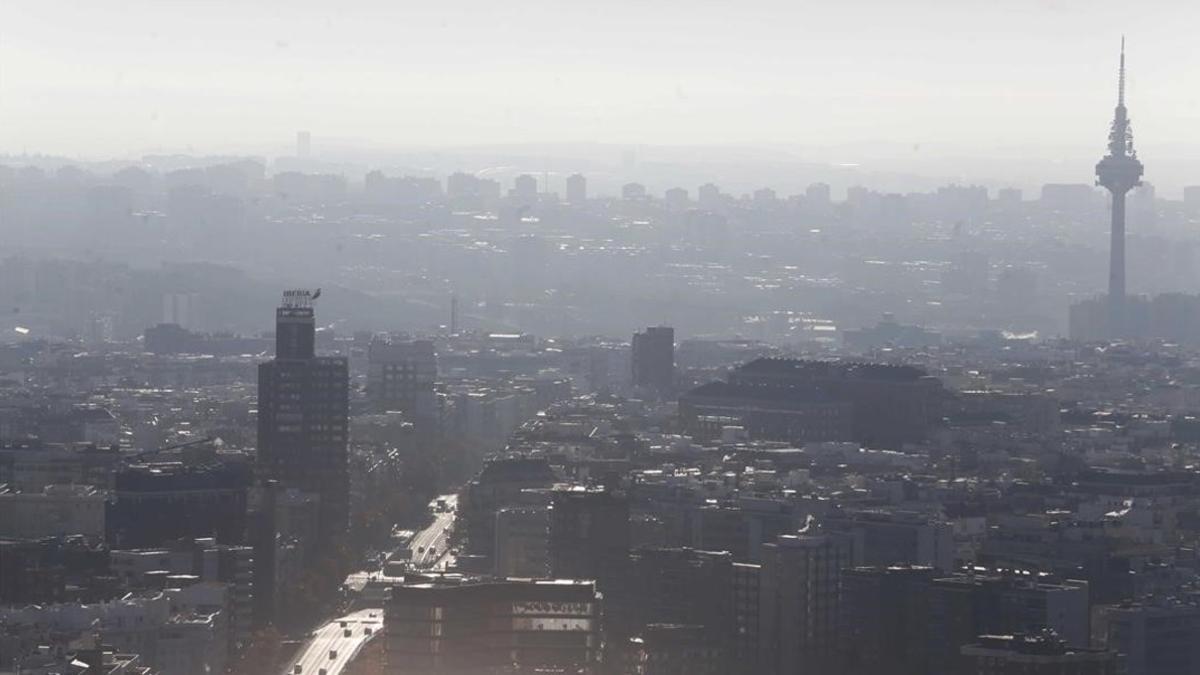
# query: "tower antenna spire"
1121, 76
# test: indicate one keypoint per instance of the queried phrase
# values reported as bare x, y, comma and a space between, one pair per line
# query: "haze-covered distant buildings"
470, 442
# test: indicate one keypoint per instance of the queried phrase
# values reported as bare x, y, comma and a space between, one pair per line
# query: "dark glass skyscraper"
303, 410
654, 359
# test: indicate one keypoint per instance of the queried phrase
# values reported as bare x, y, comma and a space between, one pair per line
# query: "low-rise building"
1042, 654
462, 624
53, 511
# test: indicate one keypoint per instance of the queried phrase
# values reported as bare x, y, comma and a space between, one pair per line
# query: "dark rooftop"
760, 392
842, 369
516, 469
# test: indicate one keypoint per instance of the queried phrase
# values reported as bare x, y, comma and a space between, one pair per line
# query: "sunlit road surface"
431, 546
315, 659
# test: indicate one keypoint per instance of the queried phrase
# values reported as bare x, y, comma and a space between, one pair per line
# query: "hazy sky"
96, 78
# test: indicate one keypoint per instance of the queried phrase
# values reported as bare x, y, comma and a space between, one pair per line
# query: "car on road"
297, 668
346, 632
332, 654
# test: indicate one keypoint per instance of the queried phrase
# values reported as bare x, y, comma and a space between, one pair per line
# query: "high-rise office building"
800, 626
677, 586
522, 537
886, 611
747, 595
1156, 637
654, 359
964, 606
589, 534
1118, 172
303, 410
576, 189
503, 482
401, 375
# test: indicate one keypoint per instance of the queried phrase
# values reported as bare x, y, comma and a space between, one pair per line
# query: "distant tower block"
1118, 172
303, 144
653, 359
576, 189
178, 309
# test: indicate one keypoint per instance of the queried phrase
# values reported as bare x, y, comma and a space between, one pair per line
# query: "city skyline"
1017, 85
599, 339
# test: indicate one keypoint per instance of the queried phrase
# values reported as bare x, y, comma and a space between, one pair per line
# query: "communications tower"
1118, 172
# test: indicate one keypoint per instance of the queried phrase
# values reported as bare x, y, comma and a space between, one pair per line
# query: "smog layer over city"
624, 338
